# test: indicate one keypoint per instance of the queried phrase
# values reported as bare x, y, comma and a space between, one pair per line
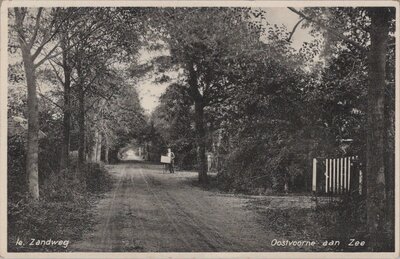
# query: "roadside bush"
16, 176
97, 178
269, 170
46, 219
63, 211
62, 187
16, 157
186, 157
277, 162
243, 172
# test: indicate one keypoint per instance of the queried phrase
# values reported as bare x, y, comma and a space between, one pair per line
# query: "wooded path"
152, 211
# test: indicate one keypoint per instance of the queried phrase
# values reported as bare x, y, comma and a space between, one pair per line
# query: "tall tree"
173, 119
70, 19
36, 29
362, 24
101, 44
206, 43
377, 211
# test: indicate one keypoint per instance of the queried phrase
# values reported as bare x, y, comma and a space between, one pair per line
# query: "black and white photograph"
171, 128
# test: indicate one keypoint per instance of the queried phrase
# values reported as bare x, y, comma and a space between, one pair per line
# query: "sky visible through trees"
150, 93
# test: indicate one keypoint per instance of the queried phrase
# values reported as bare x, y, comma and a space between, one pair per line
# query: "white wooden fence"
338, 174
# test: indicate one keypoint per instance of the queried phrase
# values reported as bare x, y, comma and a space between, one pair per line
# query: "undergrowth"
62, 213
335, 221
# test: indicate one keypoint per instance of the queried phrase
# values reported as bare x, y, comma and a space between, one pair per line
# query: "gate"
337, 176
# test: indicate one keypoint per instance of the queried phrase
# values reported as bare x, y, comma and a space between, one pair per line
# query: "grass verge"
334, 226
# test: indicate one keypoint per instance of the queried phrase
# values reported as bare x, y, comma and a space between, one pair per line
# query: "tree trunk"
389, 162
375, 169
81, 120
106, 150
389, 156
67, 109
32, 170
98, 147
201, 141
199, 104
93, 150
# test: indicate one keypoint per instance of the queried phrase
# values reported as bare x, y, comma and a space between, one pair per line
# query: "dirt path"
149, 211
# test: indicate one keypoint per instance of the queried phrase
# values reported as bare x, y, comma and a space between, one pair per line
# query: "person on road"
171, 155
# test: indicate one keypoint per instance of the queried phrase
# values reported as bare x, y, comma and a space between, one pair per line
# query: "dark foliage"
63, 212
97, 178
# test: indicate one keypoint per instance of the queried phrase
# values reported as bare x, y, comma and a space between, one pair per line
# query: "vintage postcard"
199, 129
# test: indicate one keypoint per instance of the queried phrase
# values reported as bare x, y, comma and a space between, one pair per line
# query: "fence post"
334, 175
326, 176
360, 184
341, 176
348, 173
337, 175
330, 176
344, 175
314, 176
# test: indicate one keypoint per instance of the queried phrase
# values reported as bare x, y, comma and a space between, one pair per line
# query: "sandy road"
151, 211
